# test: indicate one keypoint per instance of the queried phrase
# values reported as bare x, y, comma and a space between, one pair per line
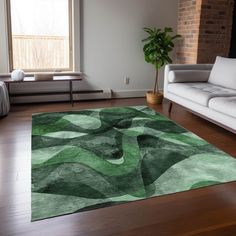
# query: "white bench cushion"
200, 93
224, 72
225, 105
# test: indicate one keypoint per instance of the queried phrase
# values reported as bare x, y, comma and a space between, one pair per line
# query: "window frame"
10, 43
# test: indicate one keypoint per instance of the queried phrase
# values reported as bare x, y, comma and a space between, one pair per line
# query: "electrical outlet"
127, 80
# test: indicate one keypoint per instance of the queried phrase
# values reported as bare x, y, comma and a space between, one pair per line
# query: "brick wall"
188, 28
205, 26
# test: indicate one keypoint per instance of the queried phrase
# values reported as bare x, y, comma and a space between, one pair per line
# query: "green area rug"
88, 159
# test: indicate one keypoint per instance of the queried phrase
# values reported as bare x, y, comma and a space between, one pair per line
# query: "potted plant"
158, 45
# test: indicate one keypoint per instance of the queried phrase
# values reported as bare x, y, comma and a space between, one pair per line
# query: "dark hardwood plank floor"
206, 211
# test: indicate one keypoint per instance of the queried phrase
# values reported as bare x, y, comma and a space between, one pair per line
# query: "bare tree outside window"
40, 35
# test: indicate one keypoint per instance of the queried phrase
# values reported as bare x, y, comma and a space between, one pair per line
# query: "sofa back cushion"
224, 72
183, 76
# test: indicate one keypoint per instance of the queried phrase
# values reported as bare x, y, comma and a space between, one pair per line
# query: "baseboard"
128, 93
39, 99
93, 95
79, 96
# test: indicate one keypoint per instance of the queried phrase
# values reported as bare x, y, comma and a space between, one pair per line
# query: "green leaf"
148, 30
147, 39
168, 29
176, 36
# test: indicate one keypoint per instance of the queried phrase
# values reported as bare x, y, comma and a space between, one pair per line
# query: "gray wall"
111, 34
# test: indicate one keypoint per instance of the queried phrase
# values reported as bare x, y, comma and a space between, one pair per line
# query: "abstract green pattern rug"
87, 159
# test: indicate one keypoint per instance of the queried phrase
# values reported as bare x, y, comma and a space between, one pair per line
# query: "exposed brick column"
188, 27
205, 26
215, 30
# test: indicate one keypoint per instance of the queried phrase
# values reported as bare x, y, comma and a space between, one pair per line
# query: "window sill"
30, 74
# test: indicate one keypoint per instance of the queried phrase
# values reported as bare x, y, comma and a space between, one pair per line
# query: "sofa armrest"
187, 67
182, 76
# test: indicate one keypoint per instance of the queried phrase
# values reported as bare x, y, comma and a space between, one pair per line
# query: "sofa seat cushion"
200, 93
225, 105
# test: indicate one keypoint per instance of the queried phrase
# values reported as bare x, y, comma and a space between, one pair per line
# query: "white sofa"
205, 89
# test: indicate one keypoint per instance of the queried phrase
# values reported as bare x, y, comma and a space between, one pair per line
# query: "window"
40, 35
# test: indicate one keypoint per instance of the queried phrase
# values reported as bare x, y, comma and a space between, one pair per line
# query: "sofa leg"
170, 107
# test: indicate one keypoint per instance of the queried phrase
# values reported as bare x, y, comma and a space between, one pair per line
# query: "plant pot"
154, 98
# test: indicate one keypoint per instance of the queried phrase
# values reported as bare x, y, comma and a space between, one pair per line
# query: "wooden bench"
70, 78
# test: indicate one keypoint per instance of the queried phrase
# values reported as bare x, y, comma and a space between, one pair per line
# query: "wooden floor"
206, 211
